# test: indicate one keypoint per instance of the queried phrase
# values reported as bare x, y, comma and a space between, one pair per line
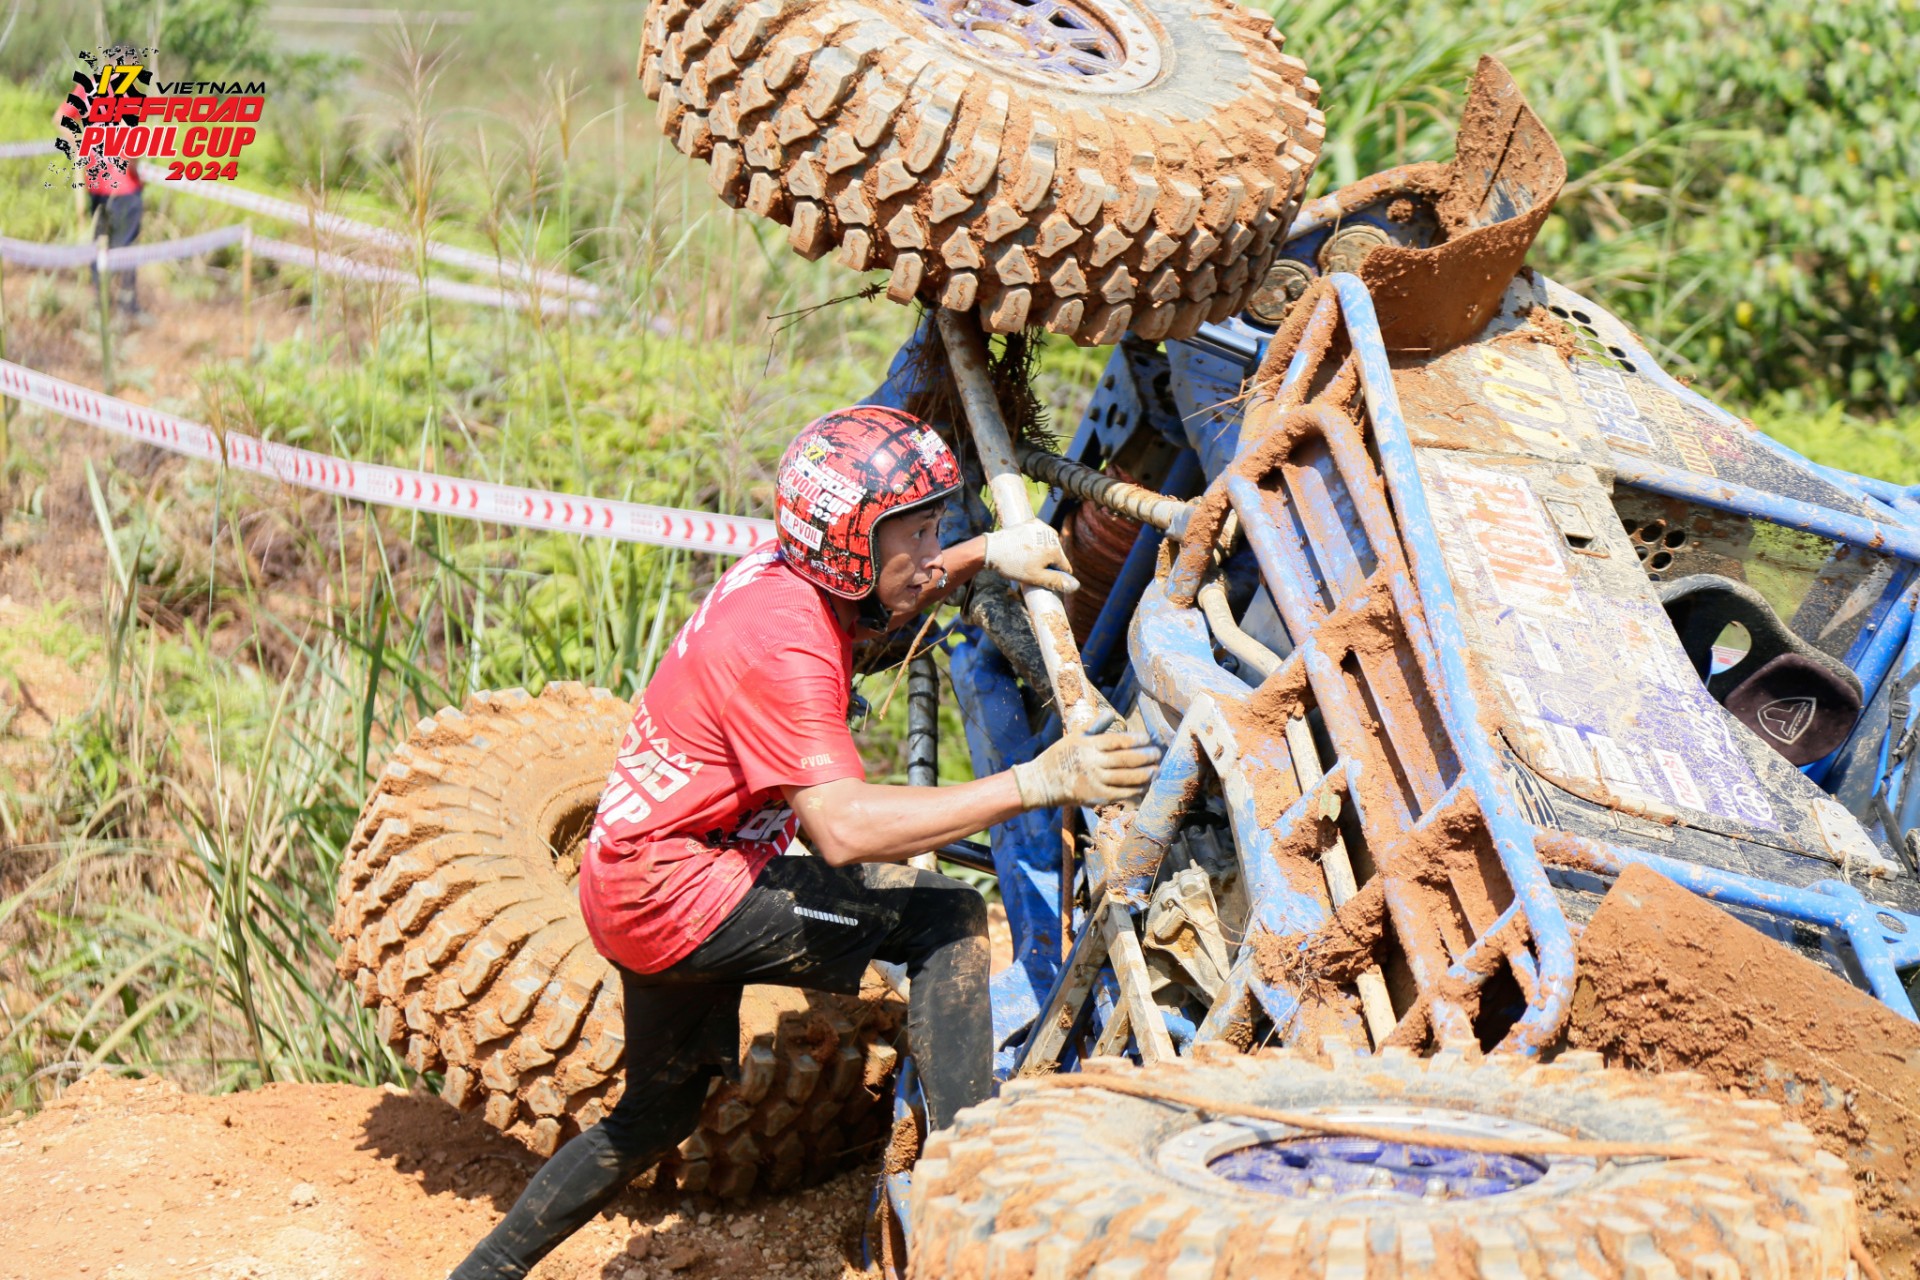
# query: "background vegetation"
1741, 192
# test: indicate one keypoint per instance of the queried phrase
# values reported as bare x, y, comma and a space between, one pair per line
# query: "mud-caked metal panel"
1643, 414
1206, 394
1510, 391
1598, 696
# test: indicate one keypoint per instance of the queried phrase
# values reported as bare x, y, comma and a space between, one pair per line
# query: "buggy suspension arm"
1134, 501
1080, 703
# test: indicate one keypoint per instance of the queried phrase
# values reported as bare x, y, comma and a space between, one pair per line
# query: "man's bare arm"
850, 821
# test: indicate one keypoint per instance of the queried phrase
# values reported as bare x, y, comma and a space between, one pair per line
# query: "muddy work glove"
1091, 767
1030, 552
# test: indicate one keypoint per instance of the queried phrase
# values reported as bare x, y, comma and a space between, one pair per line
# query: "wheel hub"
1260, 1159
1323, 1167
1096, 44
565, 825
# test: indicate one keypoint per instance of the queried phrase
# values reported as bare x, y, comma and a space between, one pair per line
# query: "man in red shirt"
741, 739
114, 189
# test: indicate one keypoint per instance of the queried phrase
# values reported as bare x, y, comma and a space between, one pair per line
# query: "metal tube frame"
1316, 571
1080, 703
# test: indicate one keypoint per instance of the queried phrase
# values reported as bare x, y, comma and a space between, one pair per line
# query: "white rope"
63, 257
334, 224
485, 295
391, 486
352, 229
60, 257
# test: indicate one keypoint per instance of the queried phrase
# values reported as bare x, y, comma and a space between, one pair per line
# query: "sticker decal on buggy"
1523, 396
1519, 548
1647, 736
1605, 392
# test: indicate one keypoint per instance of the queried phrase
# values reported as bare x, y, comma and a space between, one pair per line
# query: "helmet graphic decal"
845, 472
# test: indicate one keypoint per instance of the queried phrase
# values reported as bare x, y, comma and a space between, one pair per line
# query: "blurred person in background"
114, 200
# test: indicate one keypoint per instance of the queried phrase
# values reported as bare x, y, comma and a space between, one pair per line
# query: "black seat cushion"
1802, 702
1796, 706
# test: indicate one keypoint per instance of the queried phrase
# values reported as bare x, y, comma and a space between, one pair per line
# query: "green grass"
257, 655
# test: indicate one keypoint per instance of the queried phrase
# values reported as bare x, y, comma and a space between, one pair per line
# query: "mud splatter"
1670, 982
1435, 298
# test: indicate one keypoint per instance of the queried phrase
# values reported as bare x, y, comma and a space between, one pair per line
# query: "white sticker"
1520, 695
1615, 766
1539, 644
1574, 755
1518, 547
1680, 780
1544, 755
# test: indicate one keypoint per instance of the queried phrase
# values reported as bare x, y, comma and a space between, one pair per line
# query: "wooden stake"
246, 288
6, 402
106, 312
1375, 1004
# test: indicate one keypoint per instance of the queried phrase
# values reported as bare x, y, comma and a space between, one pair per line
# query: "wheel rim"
1322, 1168
1088, 43
1279, 1161
565, 823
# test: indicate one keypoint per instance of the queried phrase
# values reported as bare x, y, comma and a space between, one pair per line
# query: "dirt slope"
136, 1180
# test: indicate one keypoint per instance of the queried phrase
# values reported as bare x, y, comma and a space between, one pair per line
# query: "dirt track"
131, 1180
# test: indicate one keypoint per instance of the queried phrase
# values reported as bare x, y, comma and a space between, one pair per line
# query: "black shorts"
804, 923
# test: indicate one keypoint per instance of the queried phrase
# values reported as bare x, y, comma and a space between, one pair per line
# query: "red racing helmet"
842, 475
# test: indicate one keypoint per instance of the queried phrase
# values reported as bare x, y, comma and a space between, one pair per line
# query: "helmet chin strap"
873, 615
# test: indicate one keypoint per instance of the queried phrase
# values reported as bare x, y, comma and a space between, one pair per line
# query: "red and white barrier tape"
392, 486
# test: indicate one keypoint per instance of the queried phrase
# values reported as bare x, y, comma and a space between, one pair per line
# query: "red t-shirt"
751, 697
115, 177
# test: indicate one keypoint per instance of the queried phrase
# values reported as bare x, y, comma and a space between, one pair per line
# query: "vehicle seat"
1802, 702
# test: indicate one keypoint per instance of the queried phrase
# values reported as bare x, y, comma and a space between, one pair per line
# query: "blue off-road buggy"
1535, 819
1465, 608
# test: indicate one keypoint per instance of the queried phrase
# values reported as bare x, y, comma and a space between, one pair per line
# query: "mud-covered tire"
1074, 1183
1150, 196
458, 921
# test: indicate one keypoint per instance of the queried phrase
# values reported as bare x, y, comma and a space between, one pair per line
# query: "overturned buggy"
1527, 717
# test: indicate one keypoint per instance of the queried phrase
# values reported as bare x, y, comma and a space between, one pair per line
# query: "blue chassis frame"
1174, 641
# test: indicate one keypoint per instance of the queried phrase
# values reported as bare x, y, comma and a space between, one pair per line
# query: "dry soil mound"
136, 1180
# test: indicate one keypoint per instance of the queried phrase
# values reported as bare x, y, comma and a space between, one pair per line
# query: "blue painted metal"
1206, 391
1881, 649
1054, 37
1319, 1168
1326, 314
1791, 512
1026, 849
1459, 706
1233, 340
1127, 399
909, 1106
1320, 536
1344, 514
1157, 819
1109, 630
